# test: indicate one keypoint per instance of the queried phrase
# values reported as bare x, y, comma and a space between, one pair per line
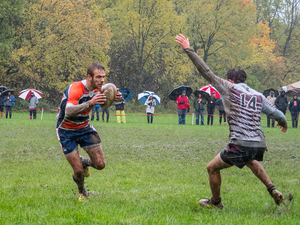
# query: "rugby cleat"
82, 197
206, 203
86, 171
277, 196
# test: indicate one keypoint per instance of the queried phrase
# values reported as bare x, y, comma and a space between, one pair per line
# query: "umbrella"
292, 88
8, 90
142, 97
126, 93
173, 95
3, 87
266, 93
25, 94
210, 89
203, 94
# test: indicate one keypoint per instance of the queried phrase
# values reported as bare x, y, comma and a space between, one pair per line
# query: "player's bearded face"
98, 79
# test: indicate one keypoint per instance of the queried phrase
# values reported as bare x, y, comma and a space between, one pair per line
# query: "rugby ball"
110, 91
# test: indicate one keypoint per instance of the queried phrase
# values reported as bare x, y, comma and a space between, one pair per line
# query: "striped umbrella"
25, 94
210, 90
142, 97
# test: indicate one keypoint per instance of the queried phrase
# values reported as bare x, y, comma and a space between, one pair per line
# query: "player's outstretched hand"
283, 129
118, 96
184, 42
98, 99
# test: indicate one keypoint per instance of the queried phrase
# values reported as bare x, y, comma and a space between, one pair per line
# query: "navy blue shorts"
241, 155
87, 138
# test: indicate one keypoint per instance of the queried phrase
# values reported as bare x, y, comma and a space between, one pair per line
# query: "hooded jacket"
294, 105
219, 102
281, 102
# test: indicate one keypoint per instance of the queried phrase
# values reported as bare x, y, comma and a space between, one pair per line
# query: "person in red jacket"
183, 105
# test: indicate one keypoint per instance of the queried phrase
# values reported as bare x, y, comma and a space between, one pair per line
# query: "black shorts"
1, 108
242, 155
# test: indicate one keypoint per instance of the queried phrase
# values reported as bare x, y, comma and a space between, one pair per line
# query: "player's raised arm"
198, 62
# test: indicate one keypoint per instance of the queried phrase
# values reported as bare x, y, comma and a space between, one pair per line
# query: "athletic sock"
85, 161
215, 201
271, 188
80, 184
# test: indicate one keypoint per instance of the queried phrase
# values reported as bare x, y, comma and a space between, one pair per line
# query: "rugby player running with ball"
73, 127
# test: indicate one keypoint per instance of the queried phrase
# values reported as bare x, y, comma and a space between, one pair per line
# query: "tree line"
48, 44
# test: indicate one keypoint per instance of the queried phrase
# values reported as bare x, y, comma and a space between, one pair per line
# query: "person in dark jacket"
222, 113
1, 103
9, 101
211, 108
120, 105
281, 102
199, 104
294, 107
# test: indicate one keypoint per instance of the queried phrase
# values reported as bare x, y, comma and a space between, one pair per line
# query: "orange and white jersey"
77, 93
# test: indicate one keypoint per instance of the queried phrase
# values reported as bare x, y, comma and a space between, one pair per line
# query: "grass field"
155, 174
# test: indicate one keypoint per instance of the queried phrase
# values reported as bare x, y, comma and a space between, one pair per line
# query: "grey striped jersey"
243, 106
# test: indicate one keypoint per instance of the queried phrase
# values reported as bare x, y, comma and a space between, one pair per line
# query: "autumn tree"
144, 55
57, 42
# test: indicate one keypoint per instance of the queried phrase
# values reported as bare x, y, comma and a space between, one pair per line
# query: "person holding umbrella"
33, 101
199, 105
9, 100
150, 107
183, 105
120, 106
247, 142
1, 102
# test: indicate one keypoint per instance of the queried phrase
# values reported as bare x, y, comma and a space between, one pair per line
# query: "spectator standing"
183, 105
211, 108
222, 113
1, 103
107, 114
33, 101
9, 101
294, 107
95, 111
150, 108
271, 98
120, 105
281, 102
199, 104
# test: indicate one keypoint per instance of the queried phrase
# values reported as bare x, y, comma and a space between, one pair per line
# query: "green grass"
155, 174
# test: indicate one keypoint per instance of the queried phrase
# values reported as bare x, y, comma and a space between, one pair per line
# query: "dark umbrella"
126, 93
173, 95
266, 93
8, 90
203, 94
3, 87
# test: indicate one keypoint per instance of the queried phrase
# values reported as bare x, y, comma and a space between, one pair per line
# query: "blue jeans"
201, 113
97, 111
181, 116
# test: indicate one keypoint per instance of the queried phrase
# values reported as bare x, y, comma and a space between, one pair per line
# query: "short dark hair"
94, 66
237, 74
